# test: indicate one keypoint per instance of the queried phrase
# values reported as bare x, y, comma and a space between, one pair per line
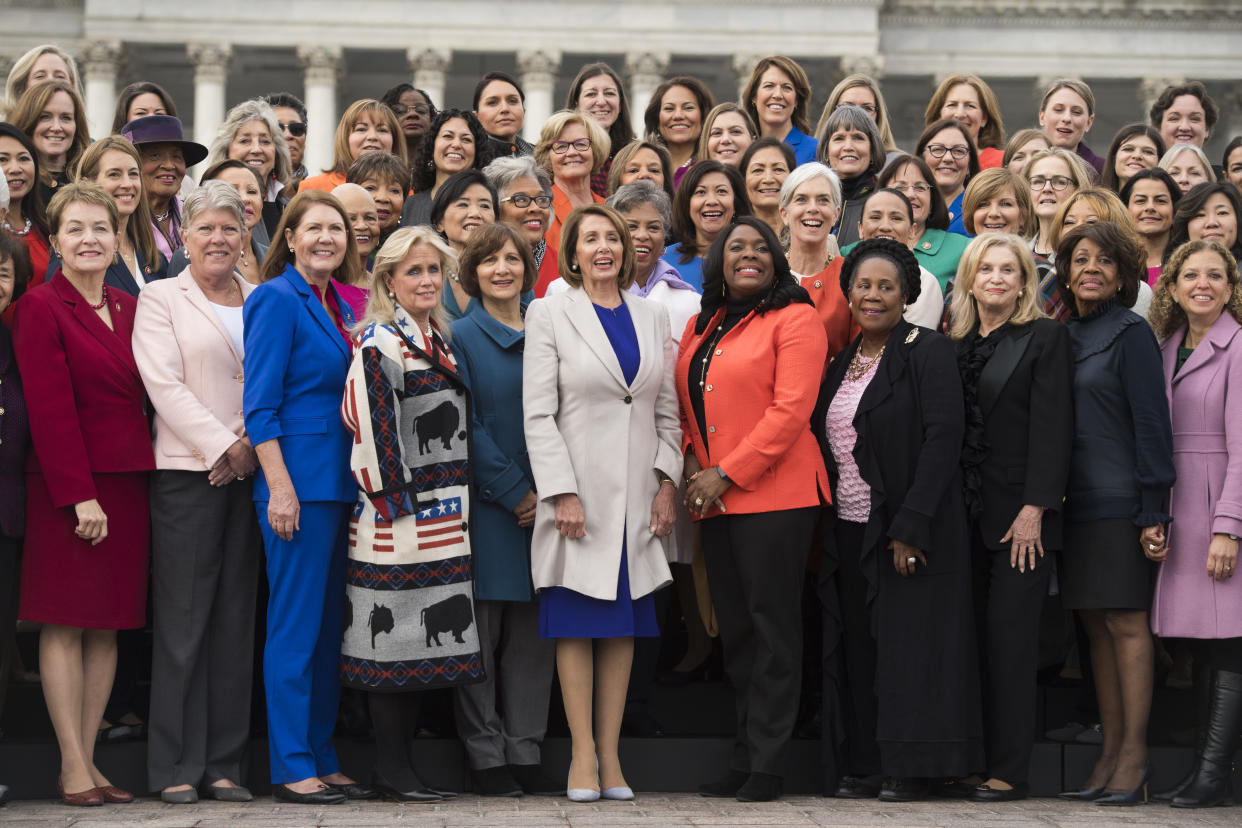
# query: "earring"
905, 308
1021, 293
291, 249
573, 267
392, 296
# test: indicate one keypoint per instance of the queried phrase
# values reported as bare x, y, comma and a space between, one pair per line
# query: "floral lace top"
853, 495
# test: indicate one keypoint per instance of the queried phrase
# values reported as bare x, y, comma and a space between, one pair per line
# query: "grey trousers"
508, 635
205, 557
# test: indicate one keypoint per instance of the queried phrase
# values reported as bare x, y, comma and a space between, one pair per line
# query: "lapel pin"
913, 335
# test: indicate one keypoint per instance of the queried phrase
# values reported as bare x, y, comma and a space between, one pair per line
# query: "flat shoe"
89, 797
354, 790
187, 797
983, 793
225, 793
115, 795
326, 795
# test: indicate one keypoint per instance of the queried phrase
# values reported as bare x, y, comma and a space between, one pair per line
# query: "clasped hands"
237, 463
704, 487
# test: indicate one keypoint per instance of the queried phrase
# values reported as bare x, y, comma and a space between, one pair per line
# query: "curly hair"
425, 175
783, 292
1166, 315
897, 253
1119, 244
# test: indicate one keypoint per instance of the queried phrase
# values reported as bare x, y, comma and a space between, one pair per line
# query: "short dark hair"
1194, 201
908, 269
13, 249
483, 242
785, 289
286, 99
888, 191
1224, 159
1211, 112
683, 227
425, 174
785, 150
1109, 180
938, 211
121, 118
1116, 243
495, 76
213, 172
1154, 174
381, 165
454, 187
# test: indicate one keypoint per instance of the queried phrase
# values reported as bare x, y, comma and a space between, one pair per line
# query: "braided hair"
894, 251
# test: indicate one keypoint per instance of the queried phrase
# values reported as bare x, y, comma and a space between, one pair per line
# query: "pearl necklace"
21, 232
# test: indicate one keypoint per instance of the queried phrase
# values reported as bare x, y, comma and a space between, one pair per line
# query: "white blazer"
590, 433
191, 370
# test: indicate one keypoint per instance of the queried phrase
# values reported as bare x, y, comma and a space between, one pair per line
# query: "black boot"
1201, 691
1211, 783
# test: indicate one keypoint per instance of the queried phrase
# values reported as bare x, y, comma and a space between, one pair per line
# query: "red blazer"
832, 306
762, 384
83, 390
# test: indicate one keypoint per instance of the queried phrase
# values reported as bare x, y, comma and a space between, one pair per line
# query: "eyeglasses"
921, 189
295, 128
1058, 182
938, 150
870, 109
401, 110
562, 147
522, 201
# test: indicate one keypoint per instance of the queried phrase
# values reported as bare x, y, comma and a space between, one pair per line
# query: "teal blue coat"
939, 252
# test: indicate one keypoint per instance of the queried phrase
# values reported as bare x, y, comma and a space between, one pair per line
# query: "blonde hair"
138, 228
718, 110
379, 113
1108, 207
19, 75
881, 109
801, 84
1078, 168
25, 116
964, 313
601, 144
1074, 85
256, 109
569, 245
1174, 151
990, 184
1166, 315
992, 133
381, 305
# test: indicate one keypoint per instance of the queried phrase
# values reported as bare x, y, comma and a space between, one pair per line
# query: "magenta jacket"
1205, 399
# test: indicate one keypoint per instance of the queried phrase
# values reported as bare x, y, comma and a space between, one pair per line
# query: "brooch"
910, 337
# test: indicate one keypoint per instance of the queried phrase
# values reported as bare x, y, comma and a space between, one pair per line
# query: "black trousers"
755, 568
1008, 603
859, 706
10, 586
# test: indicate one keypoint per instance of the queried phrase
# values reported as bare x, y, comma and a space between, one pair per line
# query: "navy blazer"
118, 275
295, 367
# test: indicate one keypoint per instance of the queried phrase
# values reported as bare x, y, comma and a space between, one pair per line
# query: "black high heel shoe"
1138, 796
1082, 794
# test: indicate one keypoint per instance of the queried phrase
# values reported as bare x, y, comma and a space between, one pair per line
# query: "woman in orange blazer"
747, 375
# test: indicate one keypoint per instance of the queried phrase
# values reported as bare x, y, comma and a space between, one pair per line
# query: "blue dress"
564, 613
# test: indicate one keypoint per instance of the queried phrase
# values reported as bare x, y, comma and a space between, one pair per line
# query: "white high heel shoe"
582, 794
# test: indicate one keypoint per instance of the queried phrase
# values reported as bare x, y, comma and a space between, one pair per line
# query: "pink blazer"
192, 372
1205, 401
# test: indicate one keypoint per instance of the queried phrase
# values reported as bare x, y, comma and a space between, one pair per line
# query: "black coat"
1025, 394
910, 424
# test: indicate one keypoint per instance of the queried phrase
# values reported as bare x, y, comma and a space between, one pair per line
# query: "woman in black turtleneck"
850, 144
747, 377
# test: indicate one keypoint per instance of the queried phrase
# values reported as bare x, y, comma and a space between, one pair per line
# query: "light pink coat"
1205, 400
192, 373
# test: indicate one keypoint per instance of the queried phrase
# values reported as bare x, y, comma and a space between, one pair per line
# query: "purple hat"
163, 129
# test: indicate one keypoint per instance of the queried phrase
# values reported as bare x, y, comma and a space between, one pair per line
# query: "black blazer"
1025, 394
118, 275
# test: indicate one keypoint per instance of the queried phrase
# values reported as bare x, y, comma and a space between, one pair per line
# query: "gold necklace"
859, 366
707, 355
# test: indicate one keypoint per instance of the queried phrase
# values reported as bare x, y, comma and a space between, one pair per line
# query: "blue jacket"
489, 359
804, 146
295, 368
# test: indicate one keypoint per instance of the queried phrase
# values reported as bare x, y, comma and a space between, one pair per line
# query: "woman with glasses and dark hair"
291, 118
949, 151
598, 91
415, 111
934, 246
1231, 162
1054, 175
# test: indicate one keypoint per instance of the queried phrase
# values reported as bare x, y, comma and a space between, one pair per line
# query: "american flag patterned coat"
409, 611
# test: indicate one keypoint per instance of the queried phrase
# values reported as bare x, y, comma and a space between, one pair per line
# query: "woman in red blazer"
84, 570
747, 375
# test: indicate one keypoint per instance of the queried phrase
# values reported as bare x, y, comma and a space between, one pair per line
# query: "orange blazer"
760, 389
832, 306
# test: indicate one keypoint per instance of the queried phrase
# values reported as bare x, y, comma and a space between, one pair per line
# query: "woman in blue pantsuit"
297, 347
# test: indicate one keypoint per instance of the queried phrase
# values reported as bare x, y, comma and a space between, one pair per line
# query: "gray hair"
848, 116
256, 109
1177, 149
214, 195
638, 193
504, 171
804, 173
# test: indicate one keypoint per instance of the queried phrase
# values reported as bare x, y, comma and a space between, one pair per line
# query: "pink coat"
1205, 399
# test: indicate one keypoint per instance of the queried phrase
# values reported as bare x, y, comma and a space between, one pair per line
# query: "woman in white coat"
603, 434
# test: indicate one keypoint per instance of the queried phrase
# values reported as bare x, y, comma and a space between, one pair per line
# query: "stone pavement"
648, 810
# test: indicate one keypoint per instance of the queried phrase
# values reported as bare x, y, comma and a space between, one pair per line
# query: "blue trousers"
301, 660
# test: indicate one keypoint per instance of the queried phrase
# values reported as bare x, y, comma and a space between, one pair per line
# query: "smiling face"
647, 232
120, 177
849, 152
252, 145
681, 120
728, 138
213, 242
148, 103
500, 273
248, 189
1082, 211
998, 281
999, 214
319, 242
962, 104
949, 170
417, 281
643, 165
917, 190
574, 163
748, 267
370, 134
163, 168
1136, 153
472, 209
414, 122
48, 66
765, 173
1184, 122
1066, 118
363, 219
876, 296
1151, 206
600, 98
1093, 276
1018, 162
500, 109
885, 216
18, 166
454, 147
532, 219
1215, 221
598, 254
286, 115
1044, 176
811, 212
389, 197
1202, 287
711, 206
775, 100
53, 132
1187, 170
86, 240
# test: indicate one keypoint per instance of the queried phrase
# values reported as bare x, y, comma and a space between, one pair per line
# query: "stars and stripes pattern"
441, 525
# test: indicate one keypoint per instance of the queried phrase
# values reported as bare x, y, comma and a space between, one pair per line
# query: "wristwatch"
1233, 538
723, 476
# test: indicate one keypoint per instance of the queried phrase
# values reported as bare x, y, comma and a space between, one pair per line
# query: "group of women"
469, 409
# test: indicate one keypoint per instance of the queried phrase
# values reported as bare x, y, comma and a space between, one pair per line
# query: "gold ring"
1151, 547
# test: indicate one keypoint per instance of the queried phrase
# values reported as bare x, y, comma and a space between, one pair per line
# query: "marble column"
743, 65
100, 61
1151, 86
429, 68
646, 72
321, 67
211, 68
537, 74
